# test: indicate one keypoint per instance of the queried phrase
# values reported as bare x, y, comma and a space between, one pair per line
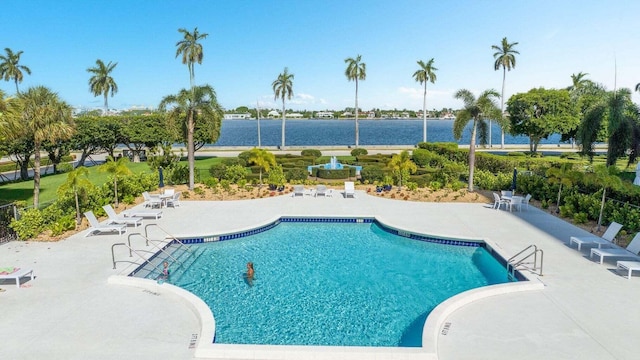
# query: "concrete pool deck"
70, 311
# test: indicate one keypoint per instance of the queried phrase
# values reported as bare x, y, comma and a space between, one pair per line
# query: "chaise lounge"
96, 227
606, 239
15, 274
631, 251
349, 189
115, 219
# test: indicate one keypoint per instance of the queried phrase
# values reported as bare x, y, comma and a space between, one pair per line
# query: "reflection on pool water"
331, 284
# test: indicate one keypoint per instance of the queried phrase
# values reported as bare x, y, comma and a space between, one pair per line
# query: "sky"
249, 44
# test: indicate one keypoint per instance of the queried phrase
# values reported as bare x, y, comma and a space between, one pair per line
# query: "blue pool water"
332, 284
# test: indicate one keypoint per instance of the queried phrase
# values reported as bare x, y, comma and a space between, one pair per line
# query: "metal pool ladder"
523, 260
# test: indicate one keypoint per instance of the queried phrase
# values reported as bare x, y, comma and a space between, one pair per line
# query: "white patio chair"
151, 201
631, 251
506, 193
525, 201
498, 201
174, 201
349, 189
321, 190
516, 201
606, 239
298, 190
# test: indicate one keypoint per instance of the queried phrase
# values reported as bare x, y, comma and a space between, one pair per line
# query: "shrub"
178, 175
31, 224
313, 153
297, 174
64, 168
218, 170
359, 152
372, 173
234, 161
63, 224
211, 182
235, 173
244, 156
516, 154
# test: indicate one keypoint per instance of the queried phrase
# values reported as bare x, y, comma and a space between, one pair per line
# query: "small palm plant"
402, 167
116, 168
78, 183
263, 159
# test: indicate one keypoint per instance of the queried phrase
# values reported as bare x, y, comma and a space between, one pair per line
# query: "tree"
425, 74
10, 69
191, 50
263, 159
356, 70
638, 87
77, 183
116, 169
43, 117
283, 88
540, 113
101, 82
505, 57
477, 110
578, 81
402, 167
607, 177
189, 107
563, 175
95, 134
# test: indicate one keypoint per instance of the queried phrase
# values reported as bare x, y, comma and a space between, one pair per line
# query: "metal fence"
7, 213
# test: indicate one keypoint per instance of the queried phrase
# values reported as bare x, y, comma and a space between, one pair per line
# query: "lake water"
342, 133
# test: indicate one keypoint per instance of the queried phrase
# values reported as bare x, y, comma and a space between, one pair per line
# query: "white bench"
17, 275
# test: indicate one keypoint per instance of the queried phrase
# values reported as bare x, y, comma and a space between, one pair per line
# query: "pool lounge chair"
15, 274
631, 251
145, 213
349, 189
115, 219
96, 227
321, 190
630, 266
606, 239
298, 190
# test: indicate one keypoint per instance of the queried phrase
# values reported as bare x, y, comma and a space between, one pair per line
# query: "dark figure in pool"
250, 273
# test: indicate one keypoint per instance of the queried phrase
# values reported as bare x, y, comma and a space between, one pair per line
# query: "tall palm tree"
283, 88
187, 107
505, 56
101, 82
116, 168
578, 81
477, 110
10, 69
191, 50
638, 87
263, 159
425, 74
356, 70
42, 117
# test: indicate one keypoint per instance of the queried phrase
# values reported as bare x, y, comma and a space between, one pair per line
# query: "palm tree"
638, 87
43, 117
283, 88
356, 70
477, 110
563, 175
423, 75
505, 56
187, 107
606, 177
190, 50
10, 69
263, 159
402, 167
101, 82
116, 168
77, 182
578, 81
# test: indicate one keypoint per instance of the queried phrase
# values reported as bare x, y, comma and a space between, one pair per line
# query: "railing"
170, 236
131, 252
522, 260
152, 244
7, 213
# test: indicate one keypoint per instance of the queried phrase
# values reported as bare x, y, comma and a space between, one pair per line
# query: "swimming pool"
331, 284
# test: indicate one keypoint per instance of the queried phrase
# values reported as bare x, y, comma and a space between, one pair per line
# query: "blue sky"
250, 43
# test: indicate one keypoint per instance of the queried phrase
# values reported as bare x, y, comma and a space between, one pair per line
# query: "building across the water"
237, 116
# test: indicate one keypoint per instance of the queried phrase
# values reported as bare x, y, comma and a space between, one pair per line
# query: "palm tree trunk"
115, 187
604, 197
36, 175
17, 90
357, 134
472, 155
191, 150
78, 217
559, 193
106, 104
424, 114
504, 76
283, 122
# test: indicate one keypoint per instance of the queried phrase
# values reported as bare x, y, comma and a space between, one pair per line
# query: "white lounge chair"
298, 190
96, 227
631, 251
630, 266
349, 189
606, 239
115, 219
321, 190
151, 201
174, 201
146, 213
497, 201
15, 274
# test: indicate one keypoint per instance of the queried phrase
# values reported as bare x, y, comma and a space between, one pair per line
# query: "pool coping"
434, 325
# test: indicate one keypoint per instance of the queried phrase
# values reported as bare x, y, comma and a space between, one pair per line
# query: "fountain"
333, 164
